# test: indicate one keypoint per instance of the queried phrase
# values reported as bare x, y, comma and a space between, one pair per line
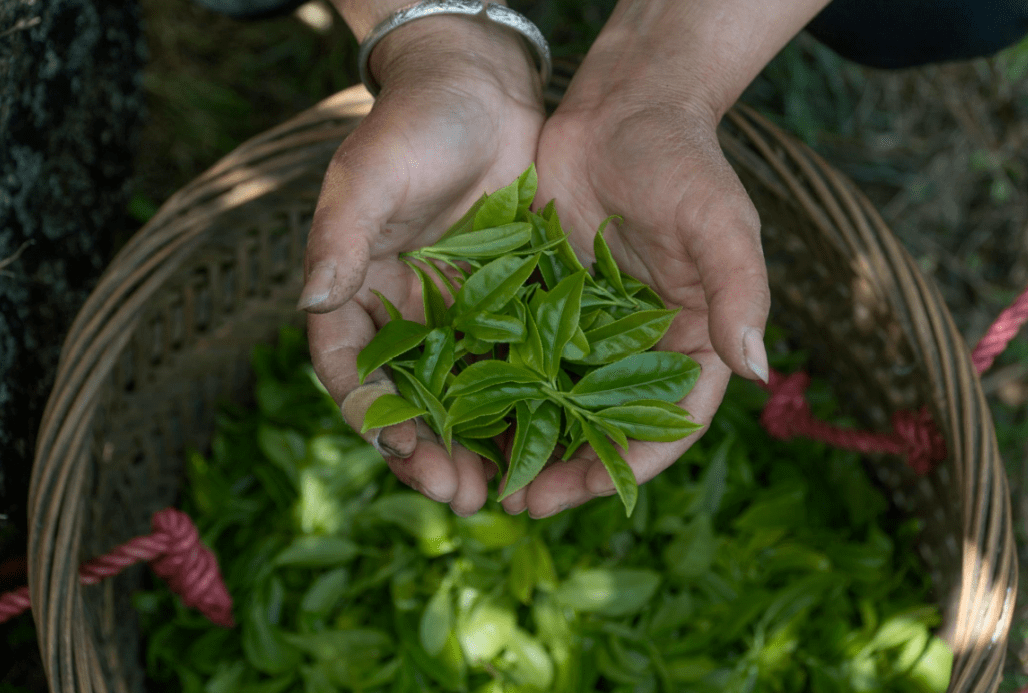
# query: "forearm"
706, 50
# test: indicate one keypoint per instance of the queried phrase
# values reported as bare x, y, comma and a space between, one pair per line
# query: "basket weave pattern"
167, 334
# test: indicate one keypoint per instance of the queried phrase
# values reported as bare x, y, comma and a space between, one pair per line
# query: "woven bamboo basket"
168, 331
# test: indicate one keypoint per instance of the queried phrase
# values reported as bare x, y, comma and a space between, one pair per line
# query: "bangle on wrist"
498, 14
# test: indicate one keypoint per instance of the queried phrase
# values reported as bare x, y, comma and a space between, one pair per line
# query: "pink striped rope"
175, 553
914, 435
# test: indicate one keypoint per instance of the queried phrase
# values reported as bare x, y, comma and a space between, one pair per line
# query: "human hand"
459, 114
689, 230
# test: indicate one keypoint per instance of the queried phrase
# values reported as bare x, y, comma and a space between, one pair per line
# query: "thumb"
357, 198
733, 273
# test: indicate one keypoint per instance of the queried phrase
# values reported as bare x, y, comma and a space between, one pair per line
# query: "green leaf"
605, 264
528, 353
436, 360
263, 643
551, 268
577, 347
629, 335
388, 410
395, 338
532, 664
691, 554
484, 375
563, 252
437, 621
482, 427
313, 551
499, 208
494, 328
416, 392
620, 473
487, 243
394, 313
488, 530
326, 591
495, 284
284, 447
608, 591
932, 672
435, 306
484, 448
422, 518
652, 375
531, 566
485, 631
466, 222
489, 402
534, 441
528, 183
650, 420
347, 644
556, 317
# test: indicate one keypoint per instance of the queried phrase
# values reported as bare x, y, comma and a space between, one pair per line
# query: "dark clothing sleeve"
907, 33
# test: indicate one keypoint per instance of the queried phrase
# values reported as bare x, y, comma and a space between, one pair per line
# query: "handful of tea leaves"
568, 359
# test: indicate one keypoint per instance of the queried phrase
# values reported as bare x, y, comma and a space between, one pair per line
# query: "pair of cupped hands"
461, 113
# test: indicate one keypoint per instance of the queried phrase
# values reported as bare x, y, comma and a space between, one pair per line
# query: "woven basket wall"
168, 332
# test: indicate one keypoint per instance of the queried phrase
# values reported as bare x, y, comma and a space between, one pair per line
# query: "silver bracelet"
498, 14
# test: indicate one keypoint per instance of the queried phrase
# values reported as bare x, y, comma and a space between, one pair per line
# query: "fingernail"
753, 352
517, 513
318, 287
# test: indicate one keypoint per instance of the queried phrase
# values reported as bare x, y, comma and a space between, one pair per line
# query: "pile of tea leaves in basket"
748, 565
533, 342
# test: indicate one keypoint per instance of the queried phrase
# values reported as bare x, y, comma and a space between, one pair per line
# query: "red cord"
915, 436
175, 553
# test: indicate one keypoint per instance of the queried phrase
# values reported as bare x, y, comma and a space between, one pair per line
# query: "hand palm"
396, 184
669, 182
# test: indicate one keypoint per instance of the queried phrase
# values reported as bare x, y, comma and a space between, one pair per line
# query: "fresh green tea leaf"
661, 375
436, 360
534, 441
528, 183
495, 284
494, 328
557, 319
487, 243
415, 392
466, 223
435, 305
609, 591
315, 551
437, 621
483, 375
627, 336
499, 208
620, 473
393, 339
649, 420
389, 410
394, 313
605, 264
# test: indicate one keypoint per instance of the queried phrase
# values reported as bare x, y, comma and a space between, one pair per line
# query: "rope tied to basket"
175, 554
914, 435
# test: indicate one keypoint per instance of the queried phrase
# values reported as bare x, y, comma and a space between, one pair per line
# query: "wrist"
699, 55
455, 49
